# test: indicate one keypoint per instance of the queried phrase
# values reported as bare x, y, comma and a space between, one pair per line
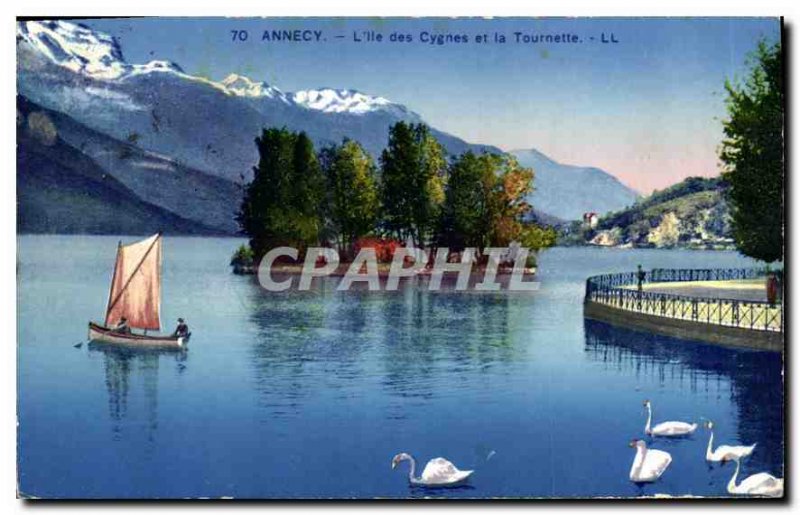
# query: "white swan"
438, 472
649, 464
757, 484
726, 452
666, 428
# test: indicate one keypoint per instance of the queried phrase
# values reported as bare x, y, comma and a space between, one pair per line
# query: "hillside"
690, 214
159, 180
61, 190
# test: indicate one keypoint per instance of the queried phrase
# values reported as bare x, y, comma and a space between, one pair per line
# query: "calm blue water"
310, 394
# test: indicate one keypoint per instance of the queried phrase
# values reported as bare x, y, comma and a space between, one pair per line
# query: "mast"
138, 298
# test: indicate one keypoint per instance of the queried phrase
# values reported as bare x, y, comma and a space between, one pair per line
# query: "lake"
311, 394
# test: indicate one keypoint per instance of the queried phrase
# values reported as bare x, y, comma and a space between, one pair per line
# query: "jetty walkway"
725, 306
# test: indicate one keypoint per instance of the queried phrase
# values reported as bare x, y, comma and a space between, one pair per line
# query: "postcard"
400, 258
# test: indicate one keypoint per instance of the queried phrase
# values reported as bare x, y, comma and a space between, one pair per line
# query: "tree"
353, 192
307, 194
283, 204
413, 170
466, 216
535, 237
752, 153
509, 204
485, 205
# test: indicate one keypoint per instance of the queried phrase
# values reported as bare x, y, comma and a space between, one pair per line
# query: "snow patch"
163, 166
241, 86
329, 100
82, 50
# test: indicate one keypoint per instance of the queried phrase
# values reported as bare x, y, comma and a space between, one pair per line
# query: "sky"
646, 107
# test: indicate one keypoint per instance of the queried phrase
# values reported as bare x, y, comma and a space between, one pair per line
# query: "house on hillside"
590, 220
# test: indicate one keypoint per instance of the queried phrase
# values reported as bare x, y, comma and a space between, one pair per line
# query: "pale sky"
646, 109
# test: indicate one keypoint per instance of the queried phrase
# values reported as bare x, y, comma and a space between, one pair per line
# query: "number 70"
239, 35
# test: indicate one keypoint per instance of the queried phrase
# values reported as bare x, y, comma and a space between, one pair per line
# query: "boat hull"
99, 333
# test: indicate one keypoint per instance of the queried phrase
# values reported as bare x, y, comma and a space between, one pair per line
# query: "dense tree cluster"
285, 202
339, 196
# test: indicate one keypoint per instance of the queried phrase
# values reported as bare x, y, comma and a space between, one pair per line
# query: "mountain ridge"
200, 133
202, 124
568, 191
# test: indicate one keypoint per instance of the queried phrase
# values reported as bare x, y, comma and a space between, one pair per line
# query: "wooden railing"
615, 290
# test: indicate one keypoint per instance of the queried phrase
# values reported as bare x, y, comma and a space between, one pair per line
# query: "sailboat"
135, 295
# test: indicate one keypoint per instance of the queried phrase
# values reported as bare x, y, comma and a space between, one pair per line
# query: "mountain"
566, 191
690, 214
185, 144
61, 190
201, 124
159, 180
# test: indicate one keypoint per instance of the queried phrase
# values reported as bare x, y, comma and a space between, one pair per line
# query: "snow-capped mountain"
329, 100
204, 124
186, 143
97, 55
84, 51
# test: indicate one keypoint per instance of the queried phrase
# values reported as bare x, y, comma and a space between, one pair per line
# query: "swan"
649, 464
726, 452
438, 472
666, 428
757, 484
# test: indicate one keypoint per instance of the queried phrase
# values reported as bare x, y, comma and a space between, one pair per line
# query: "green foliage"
243, 257
752, 152
353, 199
298, 198
508, 203
485, 203
636, 212
466, 217
537, 238
413, 170
698, 204
283, 205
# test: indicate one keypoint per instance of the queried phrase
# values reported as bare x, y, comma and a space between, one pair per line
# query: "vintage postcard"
400, 258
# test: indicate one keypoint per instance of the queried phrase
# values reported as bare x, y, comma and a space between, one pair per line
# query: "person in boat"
122, 326
182, 329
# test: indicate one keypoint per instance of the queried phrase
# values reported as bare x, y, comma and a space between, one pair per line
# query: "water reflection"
124, 367
753, 379
430, 336
406, 341
304, 340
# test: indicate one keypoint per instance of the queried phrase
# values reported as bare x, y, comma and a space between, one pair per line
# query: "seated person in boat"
122, 326
182, 329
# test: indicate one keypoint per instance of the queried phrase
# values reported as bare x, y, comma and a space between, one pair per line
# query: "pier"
713, 305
